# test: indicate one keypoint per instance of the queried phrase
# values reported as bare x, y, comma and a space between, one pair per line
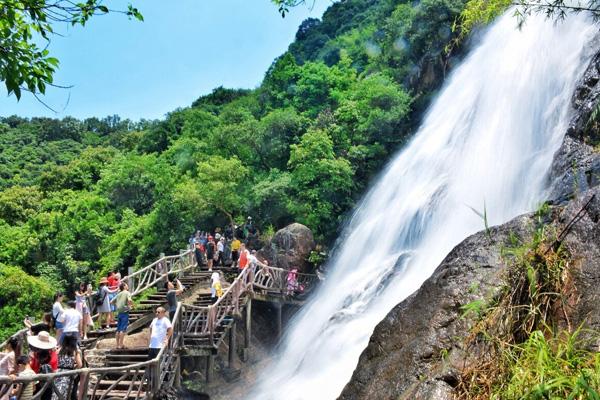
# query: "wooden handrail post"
278, 307
232, 344
210, 360
177, 380
247, 330
211, 322
154, 383
83, 385
182, 261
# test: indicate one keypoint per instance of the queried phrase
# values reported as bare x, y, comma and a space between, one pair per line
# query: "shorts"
68, 334
152, 353
113, 307
235, 255
122, 322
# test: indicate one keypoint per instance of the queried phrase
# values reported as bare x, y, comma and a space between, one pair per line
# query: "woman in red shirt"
38, 344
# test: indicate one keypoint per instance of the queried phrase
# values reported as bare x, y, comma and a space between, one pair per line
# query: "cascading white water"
487, 141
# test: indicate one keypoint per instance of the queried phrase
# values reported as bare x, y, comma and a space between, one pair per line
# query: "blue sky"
182, 50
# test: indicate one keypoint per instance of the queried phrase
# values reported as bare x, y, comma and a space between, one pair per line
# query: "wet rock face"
289, 248
583, 240
417, 351
576, 165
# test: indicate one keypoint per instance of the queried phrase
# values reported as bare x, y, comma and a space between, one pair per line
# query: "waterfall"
487, 141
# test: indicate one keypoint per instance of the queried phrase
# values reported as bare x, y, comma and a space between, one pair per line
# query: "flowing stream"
486, 142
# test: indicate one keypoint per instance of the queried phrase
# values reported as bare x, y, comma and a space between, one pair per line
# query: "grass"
558, 367
523, 339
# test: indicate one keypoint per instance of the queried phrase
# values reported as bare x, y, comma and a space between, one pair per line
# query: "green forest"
81, 197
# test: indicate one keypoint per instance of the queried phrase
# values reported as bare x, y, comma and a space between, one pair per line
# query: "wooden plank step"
117, 363
122, 385
115, 394
132, 350
194, 336
132, 357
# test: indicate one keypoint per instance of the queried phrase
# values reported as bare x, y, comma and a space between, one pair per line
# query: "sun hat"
103, 280
42, 341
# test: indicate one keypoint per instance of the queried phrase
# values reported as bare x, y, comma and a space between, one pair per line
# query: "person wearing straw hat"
42, 342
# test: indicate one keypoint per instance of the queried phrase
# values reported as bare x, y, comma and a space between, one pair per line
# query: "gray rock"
417, 351
576, 165
289, 248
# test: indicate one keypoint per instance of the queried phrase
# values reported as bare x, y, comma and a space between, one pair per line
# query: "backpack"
99, 298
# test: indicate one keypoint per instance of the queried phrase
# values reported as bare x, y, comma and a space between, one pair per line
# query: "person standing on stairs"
69, 358
210, 252
103, 304
172, 293
124, 303
235, 251
221, 251
72, 321
216, 289
161, 330
244, 255
57, 310
81, 298
23, 390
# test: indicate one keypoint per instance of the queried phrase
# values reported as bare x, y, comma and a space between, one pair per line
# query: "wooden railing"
203, 321
134, 381
143, 380
275, 280
142, 279
150, 275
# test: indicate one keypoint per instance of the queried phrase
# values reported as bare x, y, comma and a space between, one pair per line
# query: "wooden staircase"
141, 316
117, 385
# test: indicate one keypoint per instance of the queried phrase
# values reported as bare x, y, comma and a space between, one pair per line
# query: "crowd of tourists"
226, 247
70, 321
47, 355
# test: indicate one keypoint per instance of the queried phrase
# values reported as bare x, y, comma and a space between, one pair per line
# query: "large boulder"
289, 248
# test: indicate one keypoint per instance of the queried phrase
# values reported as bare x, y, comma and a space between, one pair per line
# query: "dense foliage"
80, 197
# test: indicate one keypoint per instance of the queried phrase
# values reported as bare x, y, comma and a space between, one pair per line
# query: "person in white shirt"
252, 260
57, 310
72, 321
214, 278
221, 251
161, 331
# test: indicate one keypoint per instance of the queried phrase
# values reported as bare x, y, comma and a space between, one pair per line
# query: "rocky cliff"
418, 351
